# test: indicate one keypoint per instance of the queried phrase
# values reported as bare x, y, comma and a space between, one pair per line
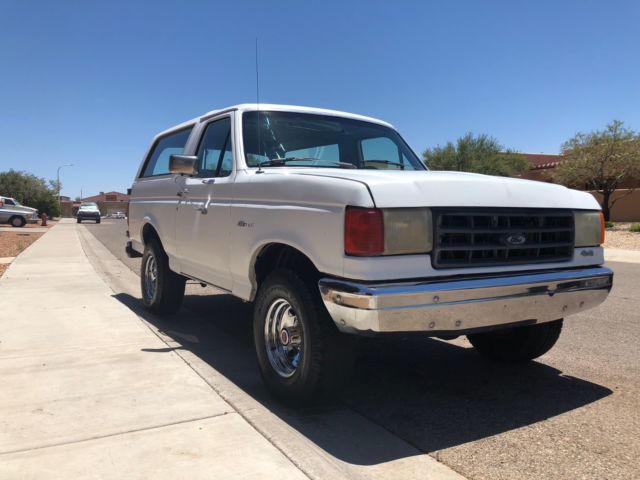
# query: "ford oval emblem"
515, 239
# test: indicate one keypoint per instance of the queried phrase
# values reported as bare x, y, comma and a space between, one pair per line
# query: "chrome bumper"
464, 304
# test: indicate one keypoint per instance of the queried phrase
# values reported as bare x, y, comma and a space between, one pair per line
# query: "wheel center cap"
284, 337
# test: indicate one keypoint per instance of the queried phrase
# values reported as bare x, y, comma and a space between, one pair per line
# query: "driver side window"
215, 154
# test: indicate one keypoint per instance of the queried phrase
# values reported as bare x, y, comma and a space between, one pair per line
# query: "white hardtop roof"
248, 107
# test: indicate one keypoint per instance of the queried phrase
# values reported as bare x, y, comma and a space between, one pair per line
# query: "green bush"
30, 190
635, 228
609, 224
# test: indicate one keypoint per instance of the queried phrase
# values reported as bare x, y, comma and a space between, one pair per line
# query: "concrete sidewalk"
619, 255
89, 391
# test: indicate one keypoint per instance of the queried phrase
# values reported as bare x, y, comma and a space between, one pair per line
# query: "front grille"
475, 237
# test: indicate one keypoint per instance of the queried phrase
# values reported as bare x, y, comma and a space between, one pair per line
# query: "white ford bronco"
332, 226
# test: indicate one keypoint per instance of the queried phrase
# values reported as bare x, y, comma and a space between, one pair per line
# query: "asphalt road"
574, 413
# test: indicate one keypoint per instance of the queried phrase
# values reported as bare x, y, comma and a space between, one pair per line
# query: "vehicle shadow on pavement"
430, 393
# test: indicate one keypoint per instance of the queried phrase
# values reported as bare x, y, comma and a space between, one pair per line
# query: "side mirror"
183, 164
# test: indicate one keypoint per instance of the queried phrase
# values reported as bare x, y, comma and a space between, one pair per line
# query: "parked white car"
332, 226
16, 214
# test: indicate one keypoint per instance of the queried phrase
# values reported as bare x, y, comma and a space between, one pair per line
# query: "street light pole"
58, 185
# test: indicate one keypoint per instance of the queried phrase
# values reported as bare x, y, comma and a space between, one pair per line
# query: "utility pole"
58, 184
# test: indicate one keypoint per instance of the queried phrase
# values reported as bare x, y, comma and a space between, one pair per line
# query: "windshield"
309, 140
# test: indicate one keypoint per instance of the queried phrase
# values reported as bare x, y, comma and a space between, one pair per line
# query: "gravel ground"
619, 236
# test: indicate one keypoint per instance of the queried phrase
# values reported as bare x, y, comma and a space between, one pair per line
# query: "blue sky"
91, 82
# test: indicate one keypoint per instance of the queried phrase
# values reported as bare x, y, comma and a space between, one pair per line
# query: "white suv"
332, 226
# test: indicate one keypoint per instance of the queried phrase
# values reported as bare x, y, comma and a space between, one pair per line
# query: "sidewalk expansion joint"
116, 434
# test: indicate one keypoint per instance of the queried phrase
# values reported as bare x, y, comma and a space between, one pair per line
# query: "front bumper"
462, 305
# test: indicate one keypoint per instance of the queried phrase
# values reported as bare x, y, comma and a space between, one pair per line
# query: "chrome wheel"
283, 338
150, 277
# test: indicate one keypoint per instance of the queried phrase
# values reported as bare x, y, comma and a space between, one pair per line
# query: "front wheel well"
278, 255
148, 233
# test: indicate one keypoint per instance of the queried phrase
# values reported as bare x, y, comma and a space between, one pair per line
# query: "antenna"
258, 107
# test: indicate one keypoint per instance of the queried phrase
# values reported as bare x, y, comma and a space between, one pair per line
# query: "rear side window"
172, 144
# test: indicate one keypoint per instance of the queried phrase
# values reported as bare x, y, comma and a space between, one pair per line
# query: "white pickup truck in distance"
332, 226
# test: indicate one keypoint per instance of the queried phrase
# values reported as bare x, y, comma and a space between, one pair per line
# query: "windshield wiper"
278, 162
386, 162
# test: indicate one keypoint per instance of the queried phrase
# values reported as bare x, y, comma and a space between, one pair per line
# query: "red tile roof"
540, 161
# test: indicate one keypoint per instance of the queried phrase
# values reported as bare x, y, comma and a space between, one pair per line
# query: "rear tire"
301, 354
18, 222
162, 288
98, 221
79, 221
519, 344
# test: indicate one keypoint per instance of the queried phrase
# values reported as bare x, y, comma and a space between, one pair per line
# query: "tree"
478, 154
602, 161
30, 190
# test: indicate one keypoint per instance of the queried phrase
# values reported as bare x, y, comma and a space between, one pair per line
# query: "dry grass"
619, 236
3, 268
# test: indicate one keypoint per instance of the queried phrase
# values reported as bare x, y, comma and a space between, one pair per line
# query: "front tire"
518, 344
78, 220
18, 222
301, 354
162, 288
98, 221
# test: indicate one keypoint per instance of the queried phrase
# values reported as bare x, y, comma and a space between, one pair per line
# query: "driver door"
203, 218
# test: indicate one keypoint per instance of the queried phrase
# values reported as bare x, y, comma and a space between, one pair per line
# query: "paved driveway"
572, 414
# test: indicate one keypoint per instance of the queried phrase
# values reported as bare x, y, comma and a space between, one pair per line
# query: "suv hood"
457, 189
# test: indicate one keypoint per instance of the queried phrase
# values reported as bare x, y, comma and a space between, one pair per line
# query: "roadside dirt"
619, 236
14, 242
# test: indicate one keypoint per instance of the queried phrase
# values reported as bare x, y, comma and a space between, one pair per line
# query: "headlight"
589, 228
407, 230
